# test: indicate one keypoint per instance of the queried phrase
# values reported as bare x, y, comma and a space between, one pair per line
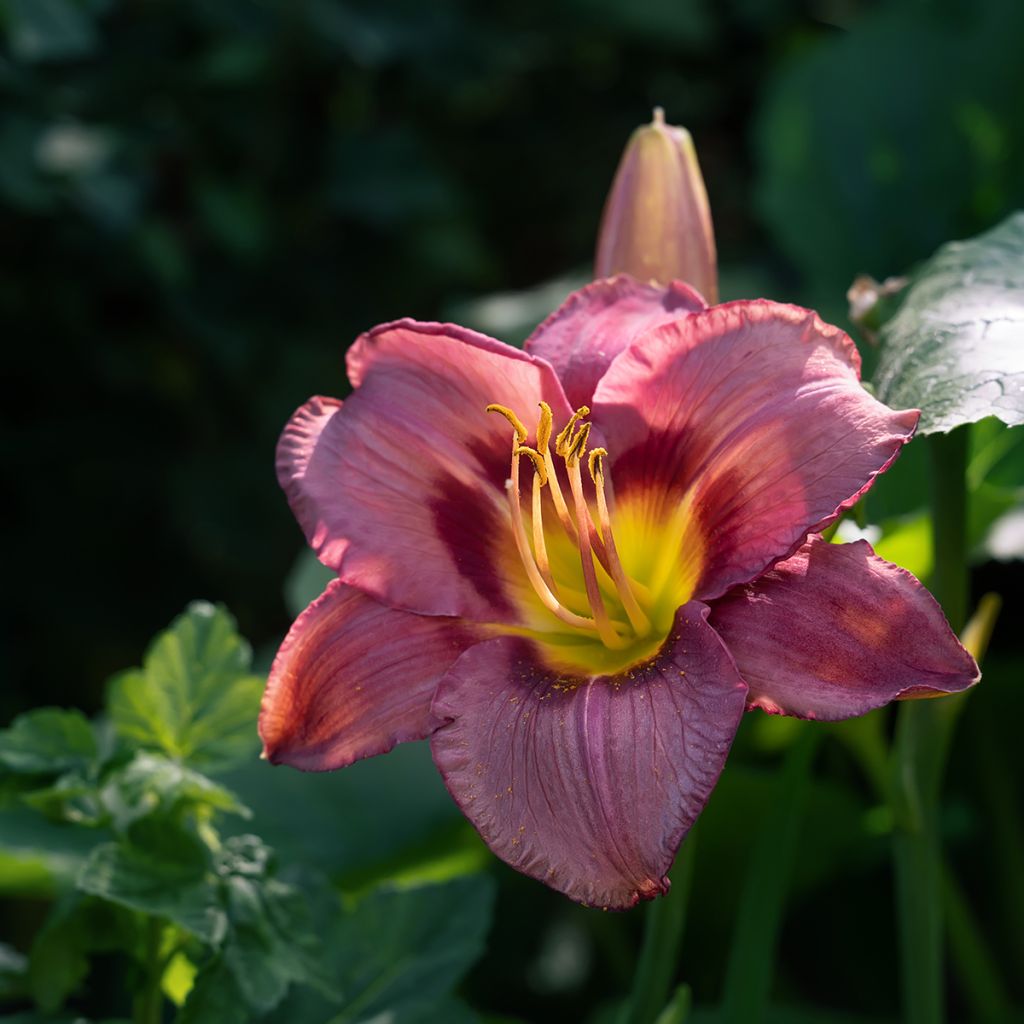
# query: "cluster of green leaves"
206, 920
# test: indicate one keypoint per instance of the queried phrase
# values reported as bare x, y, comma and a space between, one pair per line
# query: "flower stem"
149, 1001
663, 932
751, 967
949, 581
923, 731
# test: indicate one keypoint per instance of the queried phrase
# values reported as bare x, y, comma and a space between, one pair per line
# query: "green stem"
923, 731
663, 933
972, 958
751, 967
949, 581
149, 1003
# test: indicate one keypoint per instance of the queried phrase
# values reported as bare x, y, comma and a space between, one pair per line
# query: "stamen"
596, 544
562, 441
578, 445
533, 574
543, 438
609, 637
623, 584
517, 423
538, 462
544, 427
540, 546
563, 445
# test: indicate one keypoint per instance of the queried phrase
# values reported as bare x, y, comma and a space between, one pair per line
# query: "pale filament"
565, 516
572, 463
537, 581
543, 437
540, 547
623, 584
592, 543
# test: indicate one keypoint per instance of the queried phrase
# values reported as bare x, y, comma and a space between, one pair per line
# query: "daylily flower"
573, 567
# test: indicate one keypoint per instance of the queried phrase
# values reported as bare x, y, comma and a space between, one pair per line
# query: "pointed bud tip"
657, 220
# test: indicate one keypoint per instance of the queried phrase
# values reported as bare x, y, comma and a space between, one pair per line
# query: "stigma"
609, 606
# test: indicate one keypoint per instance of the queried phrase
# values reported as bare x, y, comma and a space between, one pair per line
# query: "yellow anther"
514, 420
578, 445
544, 427
538, 462
594, 463
565, 439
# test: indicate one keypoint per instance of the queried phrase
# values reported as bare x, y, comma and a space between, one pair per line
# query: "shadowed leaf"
955, 349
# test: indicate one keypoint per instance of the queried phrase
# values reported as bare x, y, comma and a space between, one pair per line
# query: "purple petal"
593, 325
402, 489
753, 415
835, 631
589, 784
353, 678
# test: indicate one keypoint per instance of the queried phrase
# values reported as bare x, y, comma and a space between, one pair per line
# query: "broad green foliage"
194, 697
401, 950
435, 933
13, 969
955, 348
147, 874
165, 876
871, 178
47, 740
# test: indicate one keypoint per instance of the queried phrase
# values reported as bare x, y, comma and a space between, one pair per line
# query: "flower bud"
657, 222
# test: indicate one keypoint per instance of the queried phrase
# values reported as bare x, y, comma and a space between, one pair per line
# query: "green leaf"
38, 856
306, 581
195, 698
58, 963
678, 1008
77, 926
71, 798
955, 349
771, 867
165, 873
299, 812
447, 1011
908, 542
271, 943
151, 783
48, 741
13, 973
215, 998
401, 950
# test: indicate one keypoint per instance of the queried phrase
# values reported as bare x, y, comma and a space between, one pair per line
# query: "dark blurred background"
203, 202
